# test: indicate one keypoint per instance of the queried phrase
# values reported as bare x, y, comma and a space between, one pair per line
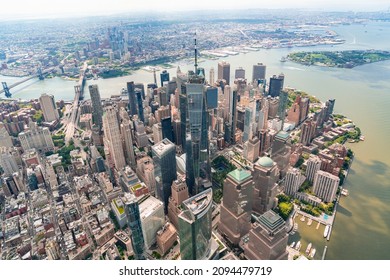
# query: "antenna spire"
196, 57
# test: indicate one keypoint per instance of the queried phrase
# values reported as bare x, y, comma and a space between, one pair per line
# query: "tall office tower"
195, 226
234, 114
164, 158
304, 106
9, 186
164, 77
276, 85
36, 138
267, 239
283, 100
140, 105
134, 222
249, 121
7, 161
141, 87
294, 111
113, 137
308, 131
224, 71
182, 89
5, 139
330, 105
273, 106
313, 165
145, 171
236, 206
166, 127
239, 73
127, 137
293, 180
197, 145
325, 185
252, 149
152, 219
211, 98
132, 99
97, 109
281, 151
263, 115
258, 72
265, 176
157, 132
49, 108
179, 194
140, 135
212, 76
176, 124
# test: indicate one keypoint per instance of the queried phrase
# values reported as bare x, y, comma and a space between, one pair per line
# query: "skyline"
22, 9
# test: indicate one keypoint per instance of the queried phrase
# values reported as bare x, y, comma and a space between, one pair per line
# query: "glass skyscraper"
195, 226
134, 222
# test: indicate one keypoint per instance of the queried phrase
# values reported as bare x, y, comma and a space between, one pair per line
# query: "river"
362, 226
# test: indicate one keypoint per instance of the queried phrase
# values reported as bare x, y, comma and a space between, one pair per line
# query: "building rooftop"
271, 221
283, 135
163, 146
240, 175
265, 162
149, 206
199, 202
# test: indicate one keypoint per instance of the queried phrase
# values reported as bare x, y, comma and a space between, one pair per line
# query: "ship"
298, 246
308, 248
312, 253
302, 218
326, 231
292, 244
309, 222
283, 59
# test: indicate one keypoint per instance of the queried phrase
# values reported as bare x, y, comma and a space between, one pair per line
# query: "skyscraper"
325, 185
5, 138
308, 130
134, 222
258, 72
49, 108
313, 165
293, 180
164, 158
127, 137
224, 71
7, 161
195, 226
166, 126
267, 239
179, 192
212, 76
281, 151
97, 109
283, 100
140, 105
276, 85
152, 219
239, 73
265, 176
164, 77
113, 138
132, 99
236, 206
36, 138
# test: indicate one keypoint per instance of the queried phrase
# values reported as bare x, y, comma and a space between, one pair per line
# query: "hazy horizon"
24, 9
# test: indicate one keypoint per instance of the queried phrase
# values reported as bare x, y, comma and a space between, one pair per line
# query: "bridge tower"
7, 93
40, 74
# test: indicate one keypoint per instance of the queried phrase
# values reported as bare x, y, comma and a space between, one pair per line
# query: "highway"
72, 120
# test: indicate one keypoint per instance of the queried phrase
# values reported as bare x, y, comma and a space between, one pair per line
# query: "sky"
50, 8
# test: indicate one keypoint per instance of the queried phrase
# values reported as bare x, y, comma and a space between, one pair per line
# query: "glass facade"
195, 226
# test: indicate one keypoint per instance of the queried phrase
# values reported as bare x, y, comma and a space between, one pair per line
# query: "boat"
345, 192
302, 218
309, 222
312, 253
298, 246
283, 59
292, 244
308, 248
326, 231
295, 226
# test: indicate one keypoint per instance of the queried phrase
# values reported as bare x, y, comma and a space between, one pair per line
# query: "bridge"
79, 95
40, 74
